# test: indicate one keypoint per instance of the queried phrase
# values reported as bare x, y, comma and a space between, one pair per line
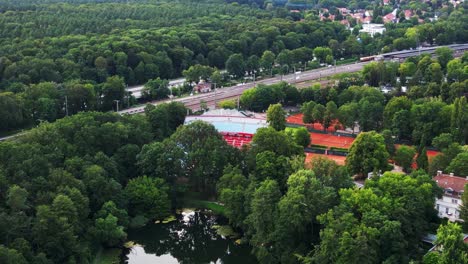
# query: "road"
193, 102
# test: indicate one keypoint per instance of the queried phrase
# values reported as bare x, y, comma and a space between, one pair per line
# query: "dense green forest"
83, 177
61, 57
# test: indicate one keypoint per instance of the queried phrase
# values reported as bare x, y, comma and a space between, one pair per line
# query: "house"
386, 2
372, 29
390, 17
344, 11
449, 205
408, 14
345, 23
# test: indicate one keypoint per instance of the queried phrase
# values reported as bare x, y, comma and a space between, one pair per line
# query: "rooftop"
447, 181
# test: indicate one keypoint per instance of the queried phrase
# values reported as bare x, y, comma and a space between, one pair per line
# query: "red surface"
297, 119
430, 155
338, 159
331, 140
237, 139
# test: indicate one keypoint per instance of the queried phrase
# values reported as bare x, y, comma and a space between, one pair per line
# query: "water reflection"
189, 240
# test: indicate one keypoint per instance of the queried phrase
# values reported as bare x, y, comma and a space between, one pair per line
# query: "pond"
190, 239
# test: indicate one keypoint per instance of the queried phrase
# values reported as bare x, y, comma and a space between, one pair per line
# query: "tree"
216, 77
307, 110
156, 89
235, 65
301, 136
464, 206
319, 113
17, 198
261, 220
389, 142
204, 154
459, 120
198, 72
276, 117
108, 231
394, 205
348, 114
330, 114
395, 105
450, 242
444, 55
367, 154
459, 165
11, 256
267, 60
404, 157
11, 111
112, 90
148, 197
268, 139
422, 160
305, 199
231, 187
227, 104
321, 53
442, 141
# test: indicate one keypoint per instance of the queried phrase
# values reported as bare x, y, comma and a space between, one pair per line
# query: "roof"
455, 183
408, 13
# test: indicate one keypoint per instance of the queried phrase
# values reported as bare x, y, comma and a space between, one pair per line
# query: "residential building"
449, 205
372, 29
391, 17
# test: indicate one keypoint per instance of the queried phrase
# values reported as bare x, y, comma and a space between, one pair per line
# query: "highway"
193, 102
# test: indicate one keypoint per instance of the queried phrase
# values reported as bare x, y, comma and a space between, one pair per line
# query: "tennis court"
297, 119
331, 140
340, 160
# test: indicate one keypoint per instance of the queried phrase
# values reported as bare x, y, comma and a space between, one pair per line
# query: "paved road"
193, 102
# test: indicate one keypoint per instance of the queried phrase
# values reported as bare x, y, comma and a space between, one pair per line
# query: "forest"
83, 176
79, 184
61, 57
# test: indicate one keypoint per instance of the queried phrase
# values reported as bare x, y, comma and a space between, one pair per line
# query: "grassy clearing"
108, 256
196, 200
201, 204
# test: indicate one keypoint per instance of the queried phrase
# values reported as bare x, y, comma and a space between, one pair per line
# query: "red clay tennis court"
338, 159
331, 140
297, 119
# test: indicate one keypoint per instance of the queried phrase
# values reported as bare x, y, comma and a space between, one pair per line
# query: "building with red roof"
449, 205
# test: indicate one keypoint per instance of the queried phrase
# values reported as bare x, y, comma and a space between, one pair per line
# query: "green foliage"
156, 89
301, 136
404, 157
464, 206
278, 142
422, 160
377, 218
459, 165
148, 197
367, 154
109, 232
227, 104
276, 117
450, 242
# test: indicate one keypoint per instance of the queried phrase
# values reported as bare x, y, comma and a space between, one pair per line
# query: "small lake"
190, 239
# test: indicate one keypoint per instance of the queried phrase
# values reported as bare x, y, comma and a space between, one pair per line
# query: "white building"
449, 205
372, 29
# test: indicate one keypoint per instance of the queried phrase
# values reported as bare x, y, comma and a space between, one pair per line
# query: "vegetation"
72, 186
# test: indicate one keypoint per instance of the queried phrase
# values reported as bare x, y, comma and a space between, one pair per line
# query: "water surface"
189, 240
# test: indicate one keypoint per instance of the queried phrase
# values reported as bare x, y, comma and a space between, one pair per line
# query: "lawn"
108, 256
195, 200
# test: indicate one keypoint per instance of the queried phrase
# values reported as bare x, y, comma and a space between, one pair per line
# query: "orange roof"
455, 183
